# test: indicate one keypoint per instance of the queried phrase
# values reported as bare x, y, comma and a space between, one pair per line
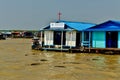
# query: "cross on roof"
59, 15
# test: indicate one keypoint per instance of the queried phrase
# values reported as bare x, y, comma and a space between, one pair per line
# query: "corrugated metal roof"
79, 26
110, 25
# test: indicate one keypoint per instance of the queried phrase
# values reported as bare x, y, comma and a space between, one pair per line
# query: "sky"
37, 14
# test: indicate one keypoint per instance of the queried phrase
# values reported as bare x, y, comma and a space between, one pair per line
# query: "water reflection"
98, 61
108, 64
105, 62
112, 62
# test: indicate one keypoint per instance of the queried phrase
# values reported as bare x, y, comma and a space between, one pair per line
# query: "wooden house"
105, 35
65, 34
28, 34
16, 34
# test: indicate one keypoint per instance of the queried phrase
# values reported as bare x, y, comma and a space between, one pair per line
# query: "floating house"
28, 34
105, 35
65, 34
16, 34
7, 34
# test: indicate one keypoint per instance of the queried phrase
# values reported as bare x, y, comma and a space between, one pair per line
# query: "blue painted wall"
118, 39
98, 39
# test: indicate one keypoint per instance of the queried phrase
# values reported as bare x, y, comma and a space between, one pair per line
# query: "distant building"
28, 34
7, 34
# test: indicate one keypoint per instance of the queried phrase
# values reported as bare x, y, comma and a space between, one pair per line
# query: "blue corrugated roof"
110, 25
79, 26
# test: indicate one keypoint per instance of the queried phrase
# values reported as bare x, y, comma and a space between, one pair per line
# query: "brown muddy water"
19, 62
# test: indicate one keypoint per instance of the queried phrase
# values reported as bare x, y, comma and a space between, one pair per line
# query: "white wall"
71, 38
48, 37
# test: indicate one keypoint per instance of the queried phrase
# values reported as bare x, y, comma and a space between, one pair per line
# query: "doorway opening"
57, 37
111, 39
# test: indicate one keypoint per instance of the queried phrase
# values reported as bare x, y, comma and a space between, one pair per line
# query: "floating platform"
85, 50
55, 49
97, 50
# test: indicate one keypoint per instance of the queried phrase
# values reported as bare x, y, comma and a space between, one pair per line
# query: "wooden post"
82, 38
41, 39
89, 40
49, 40
61, 40
71, 39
